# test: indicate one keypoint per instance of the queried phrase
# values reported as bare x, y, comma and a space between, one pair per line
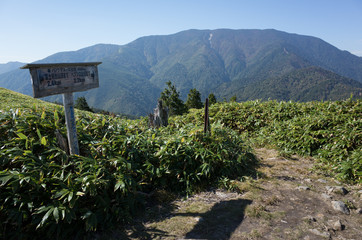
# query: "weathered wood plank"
58, 78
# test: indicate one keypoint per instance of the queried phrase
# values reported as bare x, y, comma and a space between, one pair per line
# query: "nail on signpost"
64, 78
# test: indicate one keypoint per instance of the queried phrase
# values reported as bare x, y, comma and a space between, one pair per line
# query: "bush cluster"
329, 131
45, 193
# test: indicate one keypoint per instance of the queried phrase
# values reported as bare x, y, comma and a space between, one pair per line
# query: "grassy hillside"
13, 100
46, 193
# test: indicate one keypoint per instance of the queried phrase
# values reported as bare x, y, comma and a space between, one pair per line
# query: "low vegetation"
46, 192
329, 131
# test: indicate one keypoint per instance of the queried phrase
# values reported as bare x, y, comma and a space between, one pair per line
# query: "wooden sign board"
66, 78
56, 78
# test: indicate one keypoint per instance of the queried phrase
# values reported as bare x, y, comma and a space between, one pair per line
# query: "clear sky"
34, 29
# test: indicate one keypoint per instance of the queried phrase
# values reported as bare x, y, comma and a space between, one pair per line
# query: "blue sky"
34, 29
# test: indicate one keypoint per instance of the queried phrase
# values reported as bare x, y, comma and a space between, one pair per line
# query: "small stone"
303, 188
326, 196
359, 210
337, 226
307, 180
321, 234
340, 190
340, 206
322, 180
359, 193
221, 194
336, 181
309, 219
329, 189
336, 189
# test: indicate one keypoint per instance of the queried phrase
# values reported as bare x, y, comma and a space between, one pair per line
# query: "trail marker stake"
206, 117
64, 78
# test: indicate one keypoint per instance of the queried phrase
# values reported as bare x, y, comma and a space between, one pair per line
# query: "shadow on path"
218, 223
221, 221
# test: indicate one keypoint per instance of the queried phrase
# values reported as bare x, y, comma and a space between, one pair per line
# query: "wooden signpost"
64, 78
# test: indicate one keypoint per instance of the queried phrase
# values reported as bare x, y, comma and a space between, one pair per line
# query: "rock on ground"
340, 206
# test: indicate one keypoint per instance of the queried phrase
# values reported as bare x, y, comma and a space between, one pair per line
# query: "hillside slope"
311, 83
13, 100
7, 67
223, 61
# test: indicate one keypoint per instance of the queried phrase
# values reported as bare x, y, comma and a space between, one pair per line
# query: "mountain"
305, 84
249, 64
7, 67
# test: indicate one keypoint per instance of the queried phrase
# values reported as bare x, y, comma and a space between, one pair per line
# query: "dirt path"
288, 201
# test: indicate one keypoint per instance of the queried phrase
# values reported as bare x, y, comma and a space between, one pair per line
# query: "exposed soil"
288, 201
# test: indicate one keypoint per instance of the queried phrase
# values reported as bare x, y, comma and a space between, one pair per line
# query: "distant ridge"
7, 67
248, 64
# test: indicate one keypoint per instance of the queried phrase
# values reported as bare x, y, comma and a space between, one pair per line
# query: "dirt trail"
288, 201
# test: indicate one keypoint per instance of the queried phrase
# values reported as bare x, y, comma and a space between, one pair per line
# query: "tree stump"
159, 118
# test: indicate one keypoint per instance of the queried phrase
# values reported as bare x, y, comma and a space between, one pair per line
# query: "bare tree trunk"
159, 118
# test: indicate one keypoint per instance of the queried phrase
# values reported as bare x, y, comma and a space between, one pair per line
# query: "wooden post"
66, 78
70, 122
206, 120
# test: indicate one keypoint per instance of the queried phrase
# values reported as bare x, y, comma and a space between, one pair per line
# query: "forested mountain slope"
249, 64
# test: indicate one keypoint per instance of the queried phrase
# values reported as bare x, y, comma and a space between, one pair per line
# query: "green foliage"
171, 98
47, 194
233, 98
81, 104
212, 99
194, 99
305, 84
10, 99
329, 131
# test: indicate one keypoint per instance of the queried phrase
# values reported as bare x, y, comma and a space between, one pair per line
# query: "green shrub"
329, 131
45, 193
